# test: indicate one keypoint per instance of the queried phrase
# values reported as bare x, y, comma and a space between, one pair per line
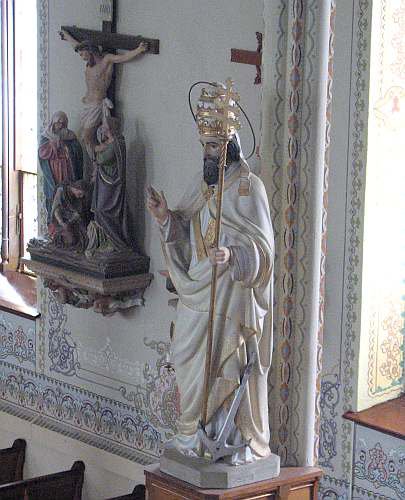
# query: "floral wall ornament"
16, 341
62, 350
381, 468
329, 401
144, 423
158, 396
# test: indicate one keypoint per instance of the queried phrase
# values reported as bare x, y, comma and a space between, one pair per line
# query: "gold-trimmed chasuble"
206, 241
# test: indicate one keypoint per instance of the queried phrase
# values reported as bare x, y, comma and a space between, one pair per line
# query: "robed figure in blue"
60, 157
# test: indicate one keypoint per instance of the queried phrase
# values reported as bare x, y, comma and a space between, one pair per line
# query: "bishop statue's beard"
211, 170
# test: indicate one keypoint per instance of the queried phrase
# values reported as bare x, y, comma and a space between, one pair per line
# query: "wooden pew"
12, 462
66, 485
138, 493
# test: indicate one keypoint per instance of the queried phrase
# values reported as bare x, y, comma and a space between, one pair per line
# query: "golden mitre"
218, 112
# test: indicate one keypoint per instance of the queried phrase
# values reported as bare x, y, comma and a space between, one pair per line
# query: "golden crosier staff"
214, 277
217, 118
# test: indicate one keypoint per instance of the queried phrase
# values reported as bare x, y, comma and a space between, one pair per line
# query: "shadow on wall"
136, 184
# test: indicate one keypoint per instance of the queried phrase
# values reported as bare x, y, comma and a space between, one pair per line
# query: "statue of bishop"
243, 314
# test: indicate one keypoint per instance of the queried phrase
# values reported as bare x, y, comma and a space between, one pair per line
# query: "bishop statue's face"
211, 150
211, 160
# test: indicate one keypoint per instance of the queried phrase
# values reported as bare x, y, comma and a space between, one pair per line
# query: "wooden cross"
251, 57
109, 39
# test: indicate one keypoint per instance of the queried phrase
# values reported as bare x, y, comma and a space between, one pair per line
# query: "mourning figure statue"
60, 157
108, 231
69, 216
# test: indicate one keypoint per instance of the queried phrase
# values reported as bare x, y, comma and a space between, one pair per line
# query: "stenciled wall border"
80, 414
339, 382
293, 142
354, 215
322, 287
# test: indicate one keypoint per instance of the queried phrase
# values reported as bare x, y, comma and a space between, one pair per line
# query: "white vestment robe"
243, 302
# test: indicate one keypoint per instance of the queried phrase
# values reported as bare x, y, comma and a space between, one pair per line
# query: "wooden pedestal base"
293, 483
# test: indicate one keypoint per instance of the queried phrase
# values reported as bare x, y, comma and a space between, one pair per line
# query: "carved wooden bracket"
105, 286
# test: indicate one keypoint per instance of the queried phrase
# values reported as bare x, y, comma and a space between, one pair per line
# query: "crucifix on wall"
99, 72
251, 57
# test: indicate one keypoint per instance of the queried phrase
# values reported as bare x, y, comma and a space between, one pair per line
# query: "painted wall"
99, 380
103, 381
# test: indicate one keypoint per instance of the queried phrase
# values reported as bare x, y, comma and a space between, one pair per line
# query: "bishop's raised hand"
157, 205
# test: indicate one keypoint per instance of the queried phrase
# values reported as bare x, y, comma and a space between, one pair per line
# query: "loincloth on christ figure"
94, 114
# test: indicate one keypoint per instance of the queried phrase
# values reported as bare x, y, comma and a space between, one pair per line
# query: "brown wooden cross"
110, 40
251, 57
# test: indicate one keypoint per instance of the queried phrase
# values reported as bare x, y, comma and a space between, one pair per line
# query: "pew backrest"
12, 462
66, 485
139, 493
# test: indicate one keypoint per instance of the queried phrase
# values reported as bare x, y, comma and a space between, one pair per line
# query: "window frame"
12, 219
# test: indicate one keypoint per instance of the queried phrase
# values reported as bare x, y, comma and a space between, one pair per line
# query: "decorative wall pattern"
43, 95
386, 349
320, 404
354, 207
82, 410
334, 489
329, 401
379, 464
17, 340
276, 15
398, 41
109, 361
342, 338
62, 350
143, 423
293, 86
288, 251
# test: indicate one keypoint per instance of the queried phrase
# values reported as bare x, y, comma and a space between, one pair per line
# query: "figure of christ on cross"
98, 75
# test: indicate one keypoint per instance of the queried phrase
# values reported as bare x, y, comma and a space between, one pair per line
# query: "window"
19, 129
383, 274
